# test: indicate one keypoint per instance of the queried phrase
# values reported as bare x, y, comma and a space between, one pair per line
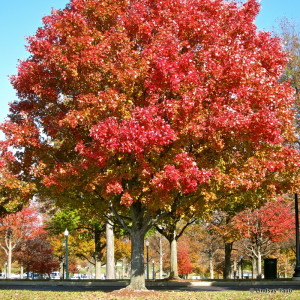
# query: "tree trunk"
61, 269
123, 268
9, 256
235, 274
211, 267
173, 258
21, 271
97, 253
160, 258
259, 275
97, 268
227, 267
254, 267
141, 222
137, 279
110, 252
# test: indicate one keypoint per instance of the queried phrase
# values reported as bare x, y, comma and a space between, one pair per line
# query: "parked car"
78, 276
31, 275
75, 276
54, 275
15, 276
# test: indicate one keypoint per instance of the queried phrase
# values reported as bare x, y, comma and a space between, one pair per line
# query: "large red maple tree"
143, 105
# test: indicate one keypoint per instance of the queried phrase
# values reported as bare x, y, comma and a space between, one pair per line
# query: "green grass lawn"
222, 295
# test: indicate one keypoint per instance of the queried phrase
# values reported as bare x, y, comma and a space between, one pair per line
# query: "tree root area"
129, 293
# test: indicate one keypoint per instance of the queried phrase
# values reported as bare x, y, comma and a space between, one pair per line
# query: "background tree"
16, 228
86, 230
262, 227
221, 224
36, 255
129, 105
184, 264
172, 229
204, 240
160, 247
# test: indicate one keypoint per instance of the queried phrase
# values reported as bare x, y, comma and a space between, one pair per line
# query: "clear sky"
21, 18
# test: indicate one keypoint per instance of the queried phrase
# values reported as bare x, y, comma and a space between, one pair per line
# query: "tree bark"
97, 253
97, 269
254, 267
137, 280
173, 258
110, 252
9, 256
227, 267
21, 271
259, 275
160, 258
141, 222
211, 267
235, 273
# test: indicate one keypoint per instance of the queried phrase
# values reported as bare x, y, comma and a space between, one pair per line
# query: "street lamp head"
147, 243
66, 233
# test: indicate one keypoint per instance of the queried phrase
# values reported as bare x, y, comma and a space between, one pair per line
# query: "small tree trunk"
61, 269
9, 256
173, 259
211, 267
97, 268
21, 271
123, 268
160, 258
254, 267
97, 234
227, 266
235, 269
110, 255
259, 265
137, 279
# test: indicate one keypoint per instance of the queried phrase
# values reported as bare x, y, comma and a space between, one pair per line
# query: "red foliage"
184, 264
23, 225
36, 255
274, 221
141, 100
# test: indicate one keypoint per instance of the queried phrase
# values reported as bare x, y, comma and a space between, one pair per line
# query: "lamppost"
296, 275
66, 233
153, 270
147, 248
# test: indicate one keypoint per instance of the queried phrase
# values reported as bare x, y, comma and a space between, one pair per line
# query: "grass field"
220, 295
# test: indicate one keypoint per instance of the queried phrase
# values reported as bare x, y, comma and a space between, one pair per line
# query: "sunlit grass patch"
218, 295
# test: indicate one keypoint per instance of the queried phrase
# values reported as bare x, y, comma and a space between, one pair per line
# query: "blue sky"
20, 18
